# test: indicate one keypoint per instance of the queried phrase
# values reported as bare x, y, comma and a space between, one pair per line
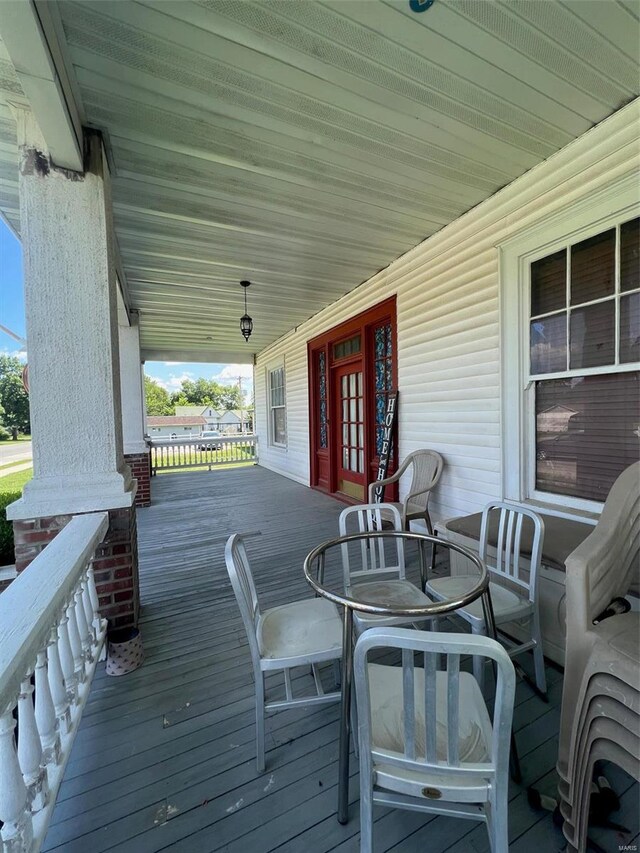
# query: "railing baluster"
88, 609
30, 749
59, 694
93, 595
45, 640
74, 640
46, 713
66, 659
17, 831
83, 627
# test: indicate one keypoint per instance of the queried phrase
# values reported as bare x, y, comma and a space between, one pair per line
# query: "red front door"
349, 434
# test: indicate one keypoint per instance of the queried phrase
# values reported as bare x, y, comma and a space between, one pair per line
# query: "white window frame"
603, 209
270, 369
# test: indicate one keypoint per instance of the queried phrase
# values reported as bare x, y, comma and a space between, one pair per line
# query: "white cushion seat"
391, 593
309, 627
387, 714
507, 604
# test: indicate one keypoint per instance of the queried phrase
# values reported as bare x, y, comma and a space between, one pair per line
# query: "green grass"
224, 457
11, 441
16, 481
15, 463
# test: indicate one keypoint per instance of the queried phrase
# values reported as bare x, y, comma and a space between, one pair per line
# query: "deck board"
165, 756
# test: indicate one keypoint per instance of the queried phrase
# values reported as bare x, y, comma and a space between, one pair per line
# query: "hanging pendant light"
246, 323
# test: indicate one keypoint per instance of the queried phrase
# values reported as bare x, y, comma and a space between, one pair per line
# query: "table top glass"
372, 557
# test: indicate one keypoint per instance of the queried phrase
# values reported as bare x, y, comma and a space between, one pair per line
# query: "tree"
231, 398
13, 398
207, 392
204, 392
157, 398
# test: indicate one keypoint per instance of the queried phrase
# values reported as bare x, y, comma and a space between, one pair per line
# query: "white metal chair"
375, 566
303, 633
426, 468
513, 587
426, 741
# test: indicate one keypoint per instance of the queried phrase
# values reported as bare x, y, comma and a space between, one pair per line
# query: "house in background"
211, 415
227, 421
176, 426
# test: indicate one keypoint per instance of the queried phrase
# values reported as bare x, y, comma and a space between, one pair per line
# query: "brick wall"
140, 464
115, 562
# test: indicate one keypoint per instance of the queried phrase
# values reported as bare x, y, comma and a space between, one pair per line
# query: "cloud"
16, 353
230, 372
173, 383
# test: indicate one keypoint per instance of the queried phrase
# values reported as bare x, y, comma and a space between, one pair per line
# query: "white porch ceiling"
305, 145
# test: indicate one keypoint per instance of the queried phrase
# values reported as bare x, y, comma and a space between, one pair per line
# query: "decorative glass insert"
349, 347
383, 365
322, 399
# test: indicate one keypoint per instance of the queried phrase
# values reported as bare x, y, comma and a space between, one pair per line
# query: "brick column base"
115, 562
140, 464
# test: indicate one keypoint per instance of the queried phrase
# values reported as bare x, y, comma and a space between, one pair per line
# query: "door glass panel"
344, 386
352, 410
354, 460
361, 461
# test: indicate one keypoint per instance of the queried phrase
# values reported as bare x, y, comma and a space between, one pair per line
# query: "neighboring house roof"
186, 411
176, 420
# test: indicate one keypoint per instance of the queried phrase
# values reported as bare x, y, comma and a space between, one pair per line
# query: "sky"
169, 374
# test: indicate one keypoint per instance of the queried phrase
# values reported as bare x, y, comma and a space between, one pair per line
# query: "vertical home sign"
387, 443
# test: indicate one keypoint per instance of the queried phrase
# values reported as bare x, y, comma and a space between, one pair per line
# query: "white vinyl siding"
448, 320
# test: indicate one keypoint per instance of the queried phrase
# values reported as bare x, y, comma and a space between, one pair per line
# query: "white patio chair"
303, 633
375, 567
426, 468
426, 741
513, 587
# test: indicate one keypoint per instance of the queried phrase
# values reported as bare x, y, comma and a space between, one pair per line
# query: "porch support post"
74, 370
136, 450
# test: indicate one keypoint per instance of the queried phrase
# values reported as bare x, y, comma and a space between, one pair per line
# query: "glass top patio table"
314, 569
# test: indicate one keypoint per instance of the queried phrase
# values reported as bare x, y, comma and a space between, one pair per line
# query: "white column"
133, 403
72, 332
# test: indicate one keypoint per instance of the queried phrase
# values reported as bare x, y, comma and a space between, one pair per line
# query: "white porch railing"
51, 636
203, 452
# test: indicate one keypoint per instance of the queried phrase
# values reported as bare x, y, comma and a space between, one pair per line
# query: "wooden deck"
164, 759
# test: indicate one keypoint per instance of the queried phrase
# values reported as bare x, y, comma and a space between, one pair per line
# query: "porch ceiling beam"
37, 53
206, 356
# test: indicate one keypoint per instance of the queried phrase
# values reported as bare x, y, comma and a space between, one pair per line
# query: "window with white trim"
584, 346
571, 320
277, 406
